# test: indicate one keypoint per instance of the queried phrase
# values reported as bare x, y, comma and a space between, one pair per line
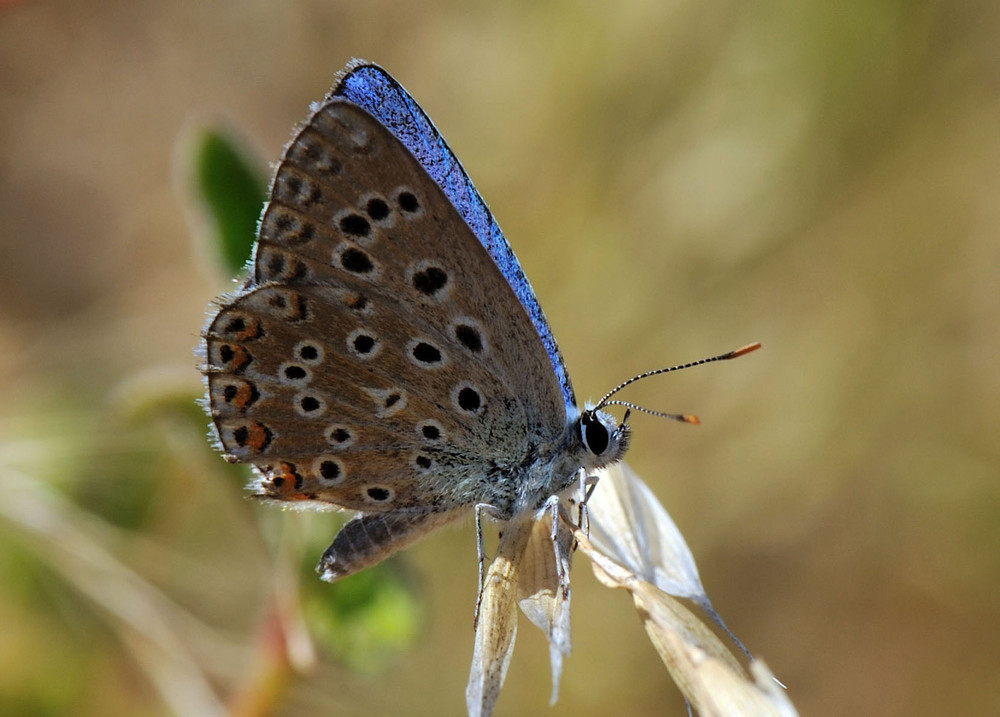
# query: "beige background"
677, 178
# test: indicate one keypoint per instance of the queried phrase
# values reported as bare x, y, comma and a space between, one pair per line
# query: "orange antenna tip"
744, 350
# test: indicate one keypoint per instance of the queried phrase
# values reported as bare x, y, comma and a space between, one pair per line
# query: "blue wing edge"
376, 91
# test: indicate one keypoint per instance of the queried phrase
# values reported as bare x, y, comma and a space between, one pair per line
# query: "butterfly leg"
587, 486
481, 509
556, 512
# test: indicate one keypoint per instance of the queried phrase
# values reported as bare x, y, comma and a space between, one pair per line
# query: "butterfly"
386, 354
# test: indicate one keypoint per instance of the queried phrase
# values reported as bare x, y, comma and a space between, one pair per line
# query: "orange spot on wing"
258, 437
240, 358
245, 395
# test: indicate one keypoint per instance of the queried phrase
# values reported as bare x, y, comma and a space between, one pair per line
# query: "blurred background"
678, 178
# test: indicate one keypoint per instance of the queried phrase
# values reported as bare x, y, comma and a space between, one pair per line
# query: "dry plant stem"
497, 625
708, 675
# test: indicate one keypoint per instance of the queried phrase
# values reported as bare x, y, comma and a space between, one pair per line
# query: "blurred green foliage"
232, 194
367, 621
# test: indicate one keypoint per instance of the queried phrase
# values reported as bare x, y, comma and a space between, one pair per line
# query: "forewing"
374, 89
377, 359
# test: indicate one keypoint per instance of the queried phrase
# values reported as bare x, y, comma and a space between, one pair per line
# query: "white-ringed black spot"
468, 399
425, 354
308, 352
377, 209
294, 373
309, 405
408, 202
378, 494
429, 280
363, 344
422, 463
470, 336
430, 430
355, 225
329, 469
340, 436
356, 261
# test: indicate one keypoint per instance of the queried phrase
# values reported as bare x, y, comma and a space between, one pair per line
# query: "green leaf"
231, 193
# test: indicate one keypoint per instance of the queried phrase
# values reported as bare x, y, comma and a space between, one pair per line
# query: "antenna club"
690, 418
744, 350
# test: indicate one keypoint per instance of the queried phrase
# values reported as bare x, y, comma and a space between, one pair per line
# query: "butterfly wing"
378, 359
374, 89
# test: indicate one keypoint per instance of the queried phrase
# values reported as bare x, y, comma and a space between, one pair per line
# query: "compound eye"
595, 434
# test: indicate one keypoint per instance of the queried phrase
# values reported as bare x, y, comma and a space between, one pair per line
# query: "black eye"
595, 435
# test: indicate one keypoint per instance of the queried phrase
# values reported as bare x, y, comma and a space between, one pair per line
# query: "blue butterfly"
387, 354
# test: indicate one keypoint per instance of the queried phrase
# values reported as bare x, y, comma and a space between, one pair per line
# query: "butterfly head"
605, 440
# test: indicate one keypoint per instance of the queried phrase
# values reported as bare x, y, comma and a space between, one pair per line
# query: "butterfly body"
387, 355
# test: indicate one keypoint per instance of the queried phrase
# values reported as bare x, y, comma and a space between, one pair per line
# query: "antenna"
682, 417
